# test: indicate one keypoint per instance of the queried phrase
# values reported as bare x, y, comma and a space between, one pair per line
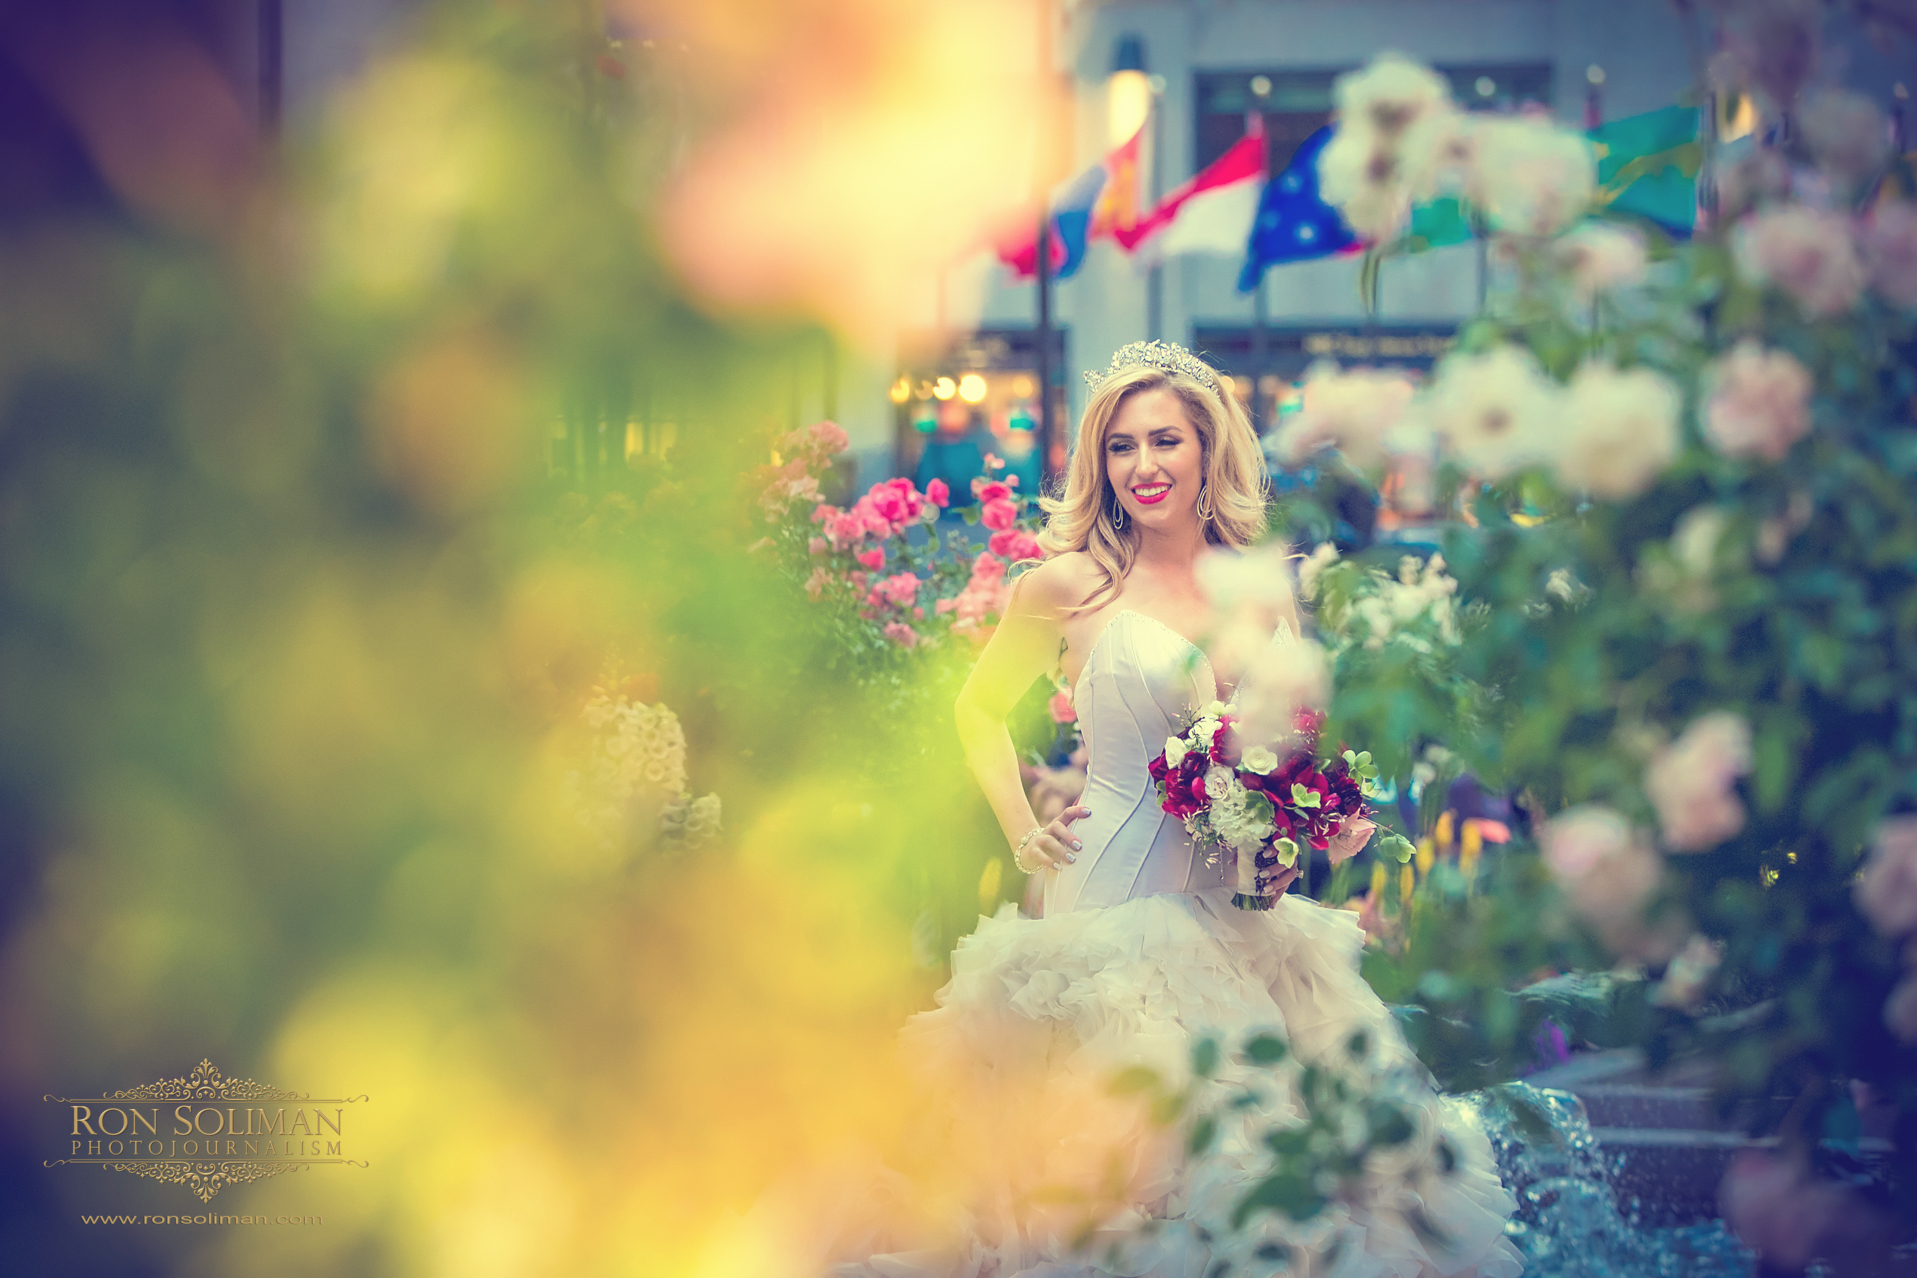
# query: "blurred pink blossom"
938, 493
1352, 412
900, 590
1619, 429
830, 436
1692, 782
1888, 238
1809, 253
1605, 869
901, 634
817, 546
816, 582
1015, 544
1600, 258
1061, 707
1847, 134
998, 515
1886, 891
1759, 402
873, 559
984, 596
1900, 1009
1689, 974
1776, 1209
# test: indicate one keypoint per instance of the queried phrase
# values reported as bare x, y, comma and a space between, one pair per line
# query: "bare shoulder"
1061, 582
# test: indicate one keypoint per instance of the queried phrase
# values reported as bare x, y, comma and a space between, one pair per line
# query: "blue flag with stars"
1293, 223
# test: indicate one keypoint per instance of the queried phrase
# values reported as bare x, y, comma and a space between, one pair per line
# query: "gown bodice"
1140, 680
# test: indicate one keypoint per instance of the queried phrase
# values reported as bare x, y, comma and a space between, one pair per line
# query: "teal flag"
1647, 165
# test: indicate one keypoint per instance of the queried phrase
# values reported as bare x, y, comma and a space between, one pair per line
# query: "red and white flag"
1213, 212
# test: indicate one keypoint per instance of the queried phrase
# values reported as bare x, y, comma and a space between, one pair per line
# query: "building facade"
1212, 62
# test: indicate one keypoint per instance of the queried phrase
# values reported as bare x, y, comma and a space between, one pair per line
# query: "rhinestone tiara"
1166, 357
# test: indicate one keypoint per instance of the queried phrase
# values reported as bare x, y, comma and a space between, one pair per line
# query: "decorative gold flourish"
205, 1179
206, 1083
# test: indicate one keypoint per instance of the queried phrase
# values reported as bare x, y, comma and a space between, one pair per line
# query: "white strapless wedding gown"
1139, 954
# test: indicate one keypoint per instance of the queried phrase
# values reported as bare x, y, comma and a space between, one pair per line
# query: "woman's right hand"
1054, 846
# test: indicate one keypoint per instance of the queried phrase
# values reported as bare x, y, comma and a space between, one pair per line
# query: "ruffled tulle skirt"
1047, 1172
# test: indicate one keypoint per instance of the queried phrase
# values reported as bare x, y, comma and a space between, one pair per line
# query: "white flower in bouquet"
1808, 253
1620, 429
1352, 412
1260, 760
1758, 402
1493, 409
1533, 177
1175, 751
1601, 258
1847, 135
1692, 782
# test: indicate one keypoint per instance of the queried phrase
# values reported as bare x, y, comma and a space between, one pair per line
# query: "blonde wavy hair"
1082, 516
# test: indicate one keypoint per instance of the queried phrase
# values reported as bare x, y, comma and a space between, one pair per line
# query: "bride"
1139, 954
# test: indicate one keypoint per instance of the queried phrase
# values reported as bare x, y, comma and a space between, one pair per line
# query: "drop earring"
1204, 502
1118, 515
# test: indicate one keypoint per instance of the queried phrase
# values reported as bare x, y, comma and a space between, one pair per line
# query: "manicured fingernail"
1071, 858
1077, 846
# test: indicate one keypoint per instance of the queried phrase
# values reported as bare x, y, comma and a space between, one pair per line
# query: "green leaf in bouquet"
1258, 805
1287, 852
1397, 847
1304, 798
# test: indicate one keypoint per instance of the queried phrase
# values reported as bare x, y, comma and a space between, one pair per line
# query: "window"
1298, 103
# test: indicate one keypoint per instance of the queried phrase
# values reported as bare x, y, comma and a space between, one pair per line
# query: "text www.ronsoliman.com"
202, 1220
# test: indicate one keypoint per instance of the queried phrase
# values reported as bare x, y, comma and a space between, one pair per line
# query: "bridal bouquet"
1261, 808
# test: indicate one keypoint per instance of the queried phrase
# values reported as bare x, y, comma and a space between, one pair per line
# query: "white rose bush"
1674, 613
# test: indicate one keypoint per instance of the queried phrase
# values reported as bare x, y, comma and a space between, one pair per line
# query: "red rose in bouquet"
1264, 809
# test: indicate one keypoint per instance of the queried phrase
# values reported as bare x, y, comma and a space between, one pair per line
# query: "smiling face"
1154, 460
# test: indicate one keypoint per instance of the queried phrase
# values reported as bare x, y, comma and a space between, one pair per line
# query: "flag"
1072, 205
1293, 223
1647, 165
1212, 213
1119, 204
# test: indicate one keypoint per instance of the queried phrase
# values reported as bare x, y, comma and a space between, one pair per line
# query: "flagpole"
1260, 352
1045, 423
1260, 307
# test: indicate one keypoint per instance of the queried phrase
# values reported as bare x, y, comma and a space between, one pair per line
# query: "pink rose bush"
881, 557
1759, 402
1807, 253
1693, 782
1886, 894
1607, 871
